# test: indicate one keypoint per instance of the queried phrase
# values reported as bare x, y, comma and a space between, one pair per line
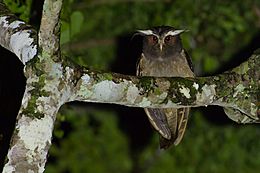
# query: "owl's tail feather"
177, 134
158, 120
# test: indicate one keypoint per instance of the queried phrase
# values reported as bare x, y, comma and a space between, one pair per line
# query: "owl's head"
161, 43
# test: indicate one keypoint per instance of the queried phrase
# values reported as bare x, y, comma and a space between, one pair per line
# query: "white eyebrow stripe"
146, 32
176, 32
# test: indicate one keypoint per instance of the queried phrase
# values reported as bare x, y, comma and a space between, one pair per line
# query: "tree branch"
35, 121
237, 89
17, 36
49, 34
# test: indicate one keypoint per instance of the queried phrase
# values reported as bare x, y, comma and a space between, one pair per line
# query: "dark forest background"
100, 138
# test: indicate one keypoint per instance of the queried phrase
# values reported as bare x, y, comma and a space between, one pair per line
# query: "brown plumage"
163, 56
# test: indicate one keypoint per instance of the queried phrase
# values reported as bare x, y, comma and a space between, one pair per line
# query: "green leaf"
77, 20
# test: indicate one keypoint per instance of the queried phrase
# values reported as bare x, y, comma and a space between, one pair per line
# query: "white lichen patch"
13, 24
66, 95
253, 110
20, 43
132, 94
195, 85
22, 46
35, 134
16, 24
185, 91
239, 88
207, 94
162, 96
56, 70
3, 21
43, 105
108, 91
85, 79
30, 171
26, 97
145, 102
68, 73
84, 91
8, 168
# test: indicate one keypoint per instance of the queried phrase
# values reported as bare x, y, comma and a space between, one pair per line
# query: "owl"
164, 56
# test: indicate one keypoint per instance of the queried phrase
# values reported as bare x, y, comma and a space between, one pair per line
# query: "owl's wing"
178, 126
183, 114
156, 116
158, 119
188, 59
139, 66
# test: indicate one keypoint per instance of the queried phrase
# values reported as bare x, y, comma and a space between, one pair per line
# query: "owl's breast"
174, 67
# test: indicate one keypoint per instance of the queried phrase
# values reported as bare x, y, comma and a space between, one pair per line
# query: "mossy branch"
236, 90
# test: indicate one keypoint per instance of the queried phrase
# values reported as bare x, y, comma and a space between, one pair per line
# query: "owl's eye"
168, 38
153, 39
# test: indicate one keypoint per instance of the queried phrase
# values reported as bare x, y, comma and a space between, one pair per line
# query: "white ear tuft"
176, 32
146, 32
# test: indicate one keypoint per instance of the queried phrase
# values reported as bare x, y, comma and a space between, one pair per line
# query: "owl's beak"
161, 45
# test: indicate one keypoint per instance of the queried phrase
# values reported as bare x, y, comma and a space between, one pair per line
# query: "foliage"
78, 151
20, 7
214, 26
